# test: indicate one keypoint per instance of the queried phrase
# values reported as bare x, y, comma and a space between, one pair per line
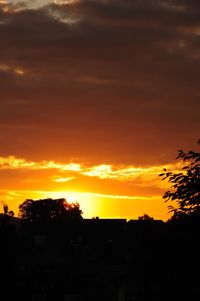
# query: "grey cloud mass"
100, 80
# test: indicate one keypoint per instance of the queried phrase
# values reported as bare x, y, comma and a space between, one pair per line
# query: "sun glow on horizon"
96, 204
83, 199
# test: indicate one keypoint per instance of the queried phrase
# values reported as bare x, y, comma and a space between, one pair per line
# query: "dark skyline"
97, 83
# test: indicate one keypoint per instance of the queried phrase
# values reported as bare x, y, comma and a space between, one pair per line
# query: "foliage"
145, 217
45, 210
11, 213
185, 186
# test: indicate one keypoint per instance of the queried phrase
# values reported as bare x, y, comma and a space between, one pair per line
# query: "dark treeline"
98, 259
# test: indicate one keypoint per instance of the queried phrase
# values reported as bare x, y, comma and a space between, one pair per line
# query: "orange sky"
104, 190
96, 97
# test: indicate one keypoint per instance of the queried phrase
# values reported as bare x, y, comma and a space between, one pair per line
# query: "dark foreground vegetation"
51, 253
100, 259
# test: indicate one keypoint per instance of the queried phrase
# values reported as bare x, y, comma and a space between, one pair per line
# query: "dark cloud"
104, 80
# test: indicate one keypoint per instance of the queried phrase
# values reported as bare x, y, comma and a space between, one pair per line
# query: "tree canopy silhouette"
185, 185
46, 210
145, 217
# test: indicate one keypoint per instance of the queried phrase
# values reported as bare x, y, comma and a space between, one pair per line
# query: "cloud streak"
102, 171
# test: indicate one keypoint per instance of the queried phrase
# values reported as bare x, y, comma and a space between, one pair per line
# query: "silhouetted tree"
145, 217
11, 213
45, 210
185, 186
5, 214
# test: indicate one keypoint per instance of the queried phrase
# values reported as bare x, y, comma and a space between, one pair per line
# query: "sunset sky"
96, 97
